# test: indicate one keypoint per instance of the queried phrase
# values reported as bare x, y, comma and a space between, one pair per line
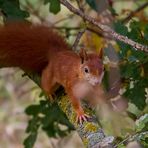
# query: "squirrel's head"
92, 69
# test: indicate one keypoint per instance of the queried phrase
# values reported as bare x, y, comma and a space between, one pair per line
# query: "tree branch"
132, 138
134, 12
90, 132
105, 28
79, 35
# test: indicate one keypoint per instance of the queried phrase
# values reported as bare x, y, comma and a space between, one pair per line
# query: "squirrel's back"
28, 47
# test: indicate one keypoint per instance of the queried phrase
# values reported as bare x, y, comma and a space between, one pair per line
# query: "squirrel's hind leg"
48, 84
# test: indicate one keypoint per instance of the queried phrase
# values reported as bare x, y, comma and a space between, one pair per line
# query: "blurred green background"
16, 93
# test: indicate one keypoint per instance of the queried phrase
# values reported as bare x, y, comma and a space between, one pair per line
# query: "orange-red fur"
28, 47
40, 49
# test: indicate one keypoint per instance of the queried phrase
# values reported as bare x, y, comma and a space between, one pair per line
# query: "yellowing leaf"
93, 41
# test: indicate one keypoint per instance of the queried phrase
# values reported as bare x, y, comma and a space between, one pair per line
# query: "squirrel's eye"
86, 70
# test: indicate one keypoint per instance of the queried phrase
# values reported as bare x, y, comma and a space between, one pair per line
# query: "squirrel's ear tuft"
83, 55
100, 53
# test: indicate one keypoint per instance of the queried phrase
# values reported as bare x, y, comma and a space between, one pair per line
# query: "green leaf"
47, 116
123, 30
144, 140
134, 67
55, 6
32, 129
12, 11
130, 70
33, 125
92, 4
120, 28
142, 123
146, 33
32, 110
30, 140
50, 131
136, 95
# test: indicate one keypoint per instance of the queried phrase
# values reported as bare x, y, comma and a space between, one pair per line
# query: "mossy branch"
90, 132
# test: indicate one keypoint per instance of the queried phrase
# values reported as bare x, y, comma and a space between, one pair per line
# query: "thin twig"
66, 28
134, 12
131, 138
79, 35
79, 3
96, 31
105, 28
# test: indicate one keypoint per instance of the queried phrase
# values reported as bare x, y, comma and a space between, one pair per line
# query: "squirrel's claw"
81, 118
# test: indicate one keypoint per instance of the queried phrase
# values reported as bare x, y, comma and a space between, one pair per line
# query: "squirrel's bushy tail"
28, 47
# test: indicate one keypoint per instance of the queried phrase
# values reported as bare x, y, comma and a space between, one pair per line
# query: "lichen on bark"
90, 131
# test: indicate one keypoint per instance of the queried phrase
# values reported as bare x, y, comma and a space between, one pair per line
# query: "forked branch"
104, 28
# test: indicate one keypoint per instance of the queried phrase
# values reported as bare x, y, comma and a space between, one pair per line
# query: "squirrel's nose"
98, 82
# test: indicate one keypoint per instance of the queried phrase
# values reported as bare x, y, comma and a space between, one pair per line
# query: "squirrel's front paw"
82, 117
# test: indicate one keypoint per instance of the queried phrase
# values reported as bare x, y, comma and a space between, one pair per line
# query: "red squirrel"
42, 50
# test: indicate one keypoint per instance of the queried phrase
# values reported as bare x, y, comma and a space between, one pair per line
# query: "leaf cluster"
134, 67
48, 117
